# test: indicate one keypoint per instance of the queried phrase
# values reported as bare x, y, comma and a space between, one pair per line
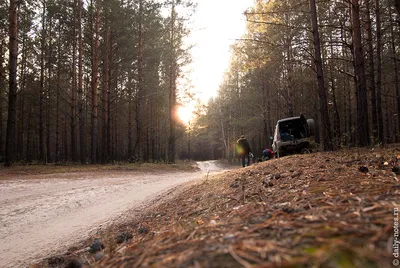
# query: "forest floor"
24, 170
336, 209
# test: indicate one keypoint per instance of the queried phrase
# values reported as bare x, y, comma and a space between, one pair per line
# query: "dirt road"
42, 215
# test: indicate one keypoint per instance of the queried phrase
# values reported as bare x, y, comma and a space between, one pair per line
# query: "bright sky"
217, 23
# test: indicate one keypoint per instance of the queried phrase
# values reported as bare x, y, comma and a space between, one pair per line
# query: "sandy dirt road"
44, 214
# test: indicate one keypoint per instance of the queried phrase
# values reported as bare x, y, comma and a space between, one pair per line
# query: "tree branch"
278, 24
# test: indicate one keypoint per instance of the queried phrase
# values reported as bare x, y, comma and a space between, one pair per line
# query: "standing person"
243, 150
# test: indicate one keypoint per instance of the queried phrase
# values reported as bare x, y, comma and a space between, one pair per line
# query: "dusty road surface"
43, 214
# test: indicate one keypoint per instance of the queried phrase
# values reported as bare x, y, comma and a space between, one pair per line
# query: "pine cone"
363, 169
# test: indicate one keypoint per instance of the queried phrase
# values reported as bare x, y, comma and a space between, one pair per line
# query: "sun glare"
185, 114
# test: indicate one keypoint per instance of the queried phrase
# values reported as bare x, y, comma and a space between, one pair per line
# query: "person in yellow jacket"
243, 149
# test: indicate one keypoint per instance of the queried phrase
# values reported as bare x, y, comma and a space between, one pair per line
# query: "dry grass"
317, 210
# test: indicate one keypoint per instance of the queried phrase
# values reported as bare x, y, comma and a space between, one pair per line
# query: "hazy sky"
216, 24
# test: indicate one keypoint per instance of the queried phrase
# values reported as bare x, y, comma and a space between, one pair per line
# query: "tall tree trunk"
223, 129
130, 136
112, 116
95, 47
323, 102
348, 124
20, 127
172, 90
87, 113
110, 87
289, 70
372, 72
12, 92
379, 72
48, 97
74, 85
157, 130
57, 156
65, 137
396, 73
288, 64
265, 99
41, 89
336, 116
140, 100
388, 120
105, 87
2, 88
362, 105
28, 134
57, 138
82, 143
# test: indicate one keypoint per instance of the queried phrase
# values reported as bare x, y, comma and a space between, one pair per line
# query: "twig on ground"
237, 258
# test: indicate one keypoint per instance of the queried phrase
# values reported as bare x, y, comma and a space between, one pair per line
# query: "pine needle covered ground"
316, 210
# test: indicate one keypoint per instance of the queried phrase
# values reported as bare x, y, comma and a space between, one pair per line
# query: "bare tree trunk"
111, 69
82, 143
362, 105
140, 100
336, 116
74, 85
289, 69
223, 129
347, 94
12, 93
157, 131
288, 35
87, 112
189, 149
28, 134
379, 72
264, 109
48, 98
20, 128
94, 83
323, 102
388, 138
154, 131
57, 138
2, 88
172, 91
130, 136
57, 159
41, 89
372, 72
65, 138
396, 73
105, 88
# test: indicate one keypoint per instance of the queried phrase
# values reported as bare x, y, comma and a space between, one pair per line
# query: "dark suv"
292, 135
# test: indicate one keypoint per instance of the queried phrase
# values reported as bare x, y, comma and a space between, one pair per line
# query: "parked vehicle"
292, 135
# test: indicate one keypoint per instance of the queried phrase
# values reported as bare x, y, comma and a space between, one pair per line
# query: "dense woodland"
91, 81
334, 61
94, 81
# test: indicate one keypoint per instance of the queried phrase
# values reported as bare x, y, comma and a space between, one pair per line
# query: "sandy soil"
41, 215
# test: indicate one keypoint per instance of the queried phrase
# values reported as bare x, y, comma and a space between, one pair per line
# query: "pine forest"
96, 81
